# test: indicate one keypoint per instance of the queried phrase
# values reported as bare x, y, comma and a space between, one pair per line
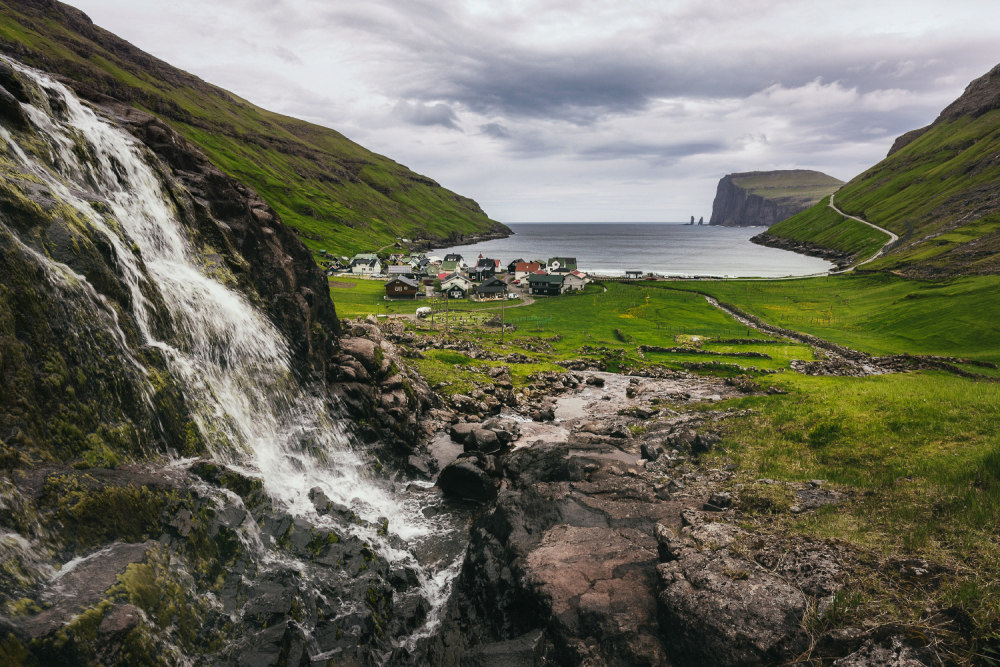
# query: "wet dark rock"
11, 112
650, 451
12, 82
544, 414
721, 499
524, 651
467, 478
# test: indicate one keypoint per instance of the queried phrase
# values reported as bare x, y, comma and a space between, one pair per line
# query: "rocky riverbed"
604, 537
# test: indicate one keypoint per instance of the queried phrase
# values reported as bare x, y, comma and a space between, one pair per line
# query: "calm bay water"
665, 248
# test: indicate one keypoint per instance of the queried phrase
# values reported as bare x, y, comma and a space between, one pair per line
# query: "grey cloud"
287, 55
418, 113
495, 130
658, 153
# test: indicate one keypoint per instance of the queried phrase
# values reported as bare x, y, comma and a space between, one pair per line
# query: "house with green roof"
545, 284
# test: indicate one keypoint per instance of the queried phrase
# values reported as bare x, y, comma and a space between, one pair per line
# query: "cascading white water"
233, 363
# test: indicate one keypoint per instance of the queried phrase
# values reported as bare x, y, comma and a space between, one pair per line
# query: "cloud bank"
590, 110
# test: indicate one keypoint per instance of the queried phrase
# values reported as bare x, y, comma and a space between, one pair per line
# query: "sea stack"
763, 198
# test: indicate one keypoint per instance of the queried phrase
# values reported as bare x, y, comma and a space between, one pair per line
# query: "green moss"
22, 606
98, 454
163, 595
89, 514
12, 651
319, 540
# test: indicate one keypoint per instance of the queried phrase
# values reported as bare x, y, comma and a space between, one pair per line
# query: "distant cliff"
763, 198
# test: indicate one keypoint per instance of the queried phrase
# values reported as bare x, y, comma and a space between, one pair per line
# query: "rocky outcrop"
719, 607
185, 578
763, 198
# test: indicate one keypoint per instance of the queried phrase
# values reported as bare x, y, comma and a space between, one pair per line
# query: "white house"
574, 280
455, 279
366, 264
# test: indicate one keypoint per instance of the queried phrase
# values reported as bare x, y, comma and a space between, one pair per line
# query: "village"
426, 276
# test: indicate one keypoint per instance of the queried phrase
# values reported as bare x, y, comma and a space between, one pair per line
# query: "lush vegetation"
338, 195
917, 454
877, 313
822, 226
937, 193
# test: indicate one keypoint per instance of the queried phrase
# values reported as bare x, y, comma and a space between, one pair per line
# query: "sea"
666, 249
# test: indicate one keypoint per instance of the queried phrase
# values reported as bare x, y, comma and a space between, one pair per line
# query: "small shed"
574, 280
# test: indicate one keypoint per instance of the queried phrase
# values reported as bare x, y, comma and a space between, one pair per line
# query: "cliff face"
763, 198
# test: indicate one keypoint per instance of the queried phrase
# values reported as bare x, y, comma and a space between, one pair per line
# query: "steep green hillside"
822, 226
339, 195
937, 190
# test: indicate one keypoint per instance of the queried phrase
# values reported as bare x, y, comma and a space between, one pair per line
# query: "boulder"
467, 478
720, 608
11, 112
363, 350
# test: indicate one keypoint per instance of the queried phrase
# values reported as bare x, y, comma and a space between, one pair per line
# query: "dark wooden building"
545, 284
402, 287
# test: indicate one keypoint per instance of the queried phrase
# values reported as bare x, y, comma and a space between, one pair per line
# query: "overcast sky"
585, 110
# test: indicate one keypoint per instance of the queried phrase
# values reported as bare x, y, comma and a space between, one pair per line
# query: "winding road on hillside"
885, 246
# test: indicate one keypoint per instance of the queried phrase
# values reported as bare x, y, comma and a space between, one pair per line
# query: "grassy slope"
340, 196
823, 226
938, 193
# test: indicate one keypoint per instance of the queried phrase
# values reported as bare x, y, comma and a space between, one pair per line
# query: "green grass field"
877, 313
918, 454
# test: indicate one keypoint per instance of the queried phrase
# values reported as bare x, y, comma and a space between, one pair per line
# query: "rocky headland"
763, 198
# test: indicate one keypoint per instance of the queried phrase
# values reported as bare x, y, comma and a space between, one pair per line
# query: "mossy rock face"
86, 513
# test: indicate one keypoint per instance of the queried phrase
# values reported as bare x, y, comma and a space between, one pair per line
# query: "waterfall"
232, 362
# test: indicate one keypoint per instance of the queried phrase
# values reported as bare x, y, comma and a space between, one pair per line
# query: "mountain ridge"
337, 194
936, 189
